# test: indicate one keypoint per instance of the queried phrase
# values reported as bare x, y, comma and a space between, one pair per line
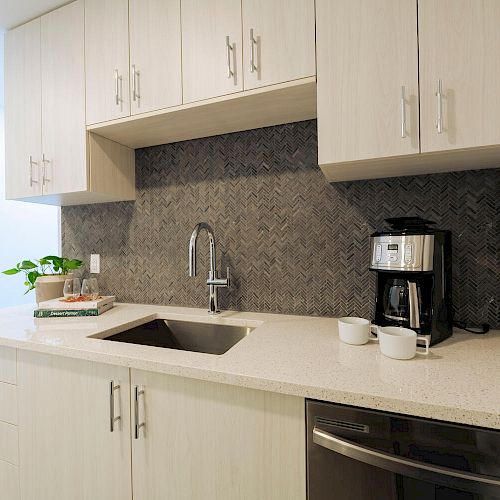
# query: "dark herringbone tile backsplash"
295, 243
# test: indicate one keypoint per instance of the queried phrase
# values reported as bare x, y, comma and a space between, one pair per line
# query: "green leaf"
27, 264
72, 264
10, 272
44, 262
51, 258
32, 276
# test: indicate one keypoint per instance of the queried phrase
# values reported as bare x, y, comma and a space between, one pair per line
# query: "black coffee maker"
413, 265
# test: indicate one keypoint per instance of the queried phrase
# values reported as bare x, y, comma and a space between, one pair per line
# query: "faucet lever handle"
222, 282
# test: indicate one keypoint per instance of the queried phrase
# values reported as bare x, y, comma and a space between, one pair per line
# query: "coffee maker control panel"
402, 252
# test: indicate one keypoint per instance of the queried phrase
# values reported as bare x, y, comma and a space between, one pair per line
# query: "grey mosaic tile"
295, 243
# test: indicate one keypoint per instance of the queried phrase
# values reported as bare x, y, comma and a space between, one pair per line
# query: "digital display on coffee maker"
392, 246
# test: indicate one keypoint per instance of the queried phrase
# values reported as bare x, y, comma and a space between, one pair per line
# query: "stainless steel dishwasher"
356, 454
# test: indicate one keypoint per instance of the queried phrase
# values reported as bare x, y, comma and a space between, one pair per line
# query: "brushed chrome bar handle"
252, 52
45, 179
402, 465
135, 95
112, 418
439, 96
137, 425
117, 88
403, 113
229, 49
32, 181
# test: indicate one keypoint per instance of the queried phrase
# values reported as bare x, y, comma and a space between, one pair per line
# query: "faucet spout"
213, 282
192, 248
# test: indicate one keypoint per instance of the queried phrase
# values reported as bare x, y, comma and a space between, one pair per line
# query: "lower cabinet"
171, 437
210, 441
67, 449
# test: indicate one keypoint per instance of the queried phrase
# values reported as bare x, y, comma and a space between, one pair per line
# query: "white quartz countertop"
458, 382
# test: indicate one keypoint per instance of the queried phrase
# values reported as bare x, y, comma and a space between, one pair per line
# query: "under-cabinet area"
400, 87
120, 433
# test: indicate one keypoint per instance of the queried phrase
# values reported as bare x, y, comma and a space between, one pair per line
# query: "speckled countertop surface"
458, 382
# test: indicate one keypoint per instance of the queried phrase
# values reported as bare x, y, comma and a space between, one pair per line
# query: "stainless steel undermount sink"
183, 335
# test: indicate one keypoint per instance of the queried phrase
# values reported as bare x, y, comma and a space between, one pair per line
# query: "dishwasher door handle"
406, 466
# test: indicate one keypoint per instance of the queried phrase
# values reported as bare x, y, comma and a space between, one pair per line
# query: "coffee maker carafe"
413, 265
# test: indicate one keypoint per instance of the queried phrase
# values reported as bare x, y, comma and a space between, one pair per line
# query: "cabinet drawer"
9, 481
8, 403
8, 363
9, 443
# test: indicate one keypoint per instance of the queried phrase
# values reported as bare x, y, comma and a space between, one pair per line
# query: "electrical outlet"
95, 263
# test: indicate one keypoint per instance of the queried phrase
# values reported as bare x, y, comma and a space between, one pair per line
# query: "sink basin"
184, 335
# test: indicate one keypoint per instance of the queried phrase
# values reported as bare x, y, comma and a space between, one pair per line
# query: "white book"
63, 303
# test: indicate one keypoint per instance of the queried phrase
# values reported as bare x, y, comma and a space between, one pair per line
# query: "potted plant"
46, 276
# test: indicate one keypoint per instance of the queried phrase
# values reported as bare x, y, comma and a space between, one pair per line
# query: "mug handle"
426, 348
373, 329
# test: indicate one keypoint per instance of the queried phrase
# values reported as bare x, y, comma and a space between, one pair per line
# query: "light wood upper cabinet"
67, 449
367, 57
64, 160
45, 119
278, 41
23, 111
155, 54
211, 48
107, 60
459, 46
203, 440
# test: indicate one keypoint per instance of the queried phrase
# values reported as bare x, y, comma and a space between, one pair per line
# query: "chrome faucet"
213, 282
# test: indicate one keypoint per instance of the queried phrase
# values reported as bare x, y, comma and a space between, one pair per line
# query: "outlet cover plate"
95, 263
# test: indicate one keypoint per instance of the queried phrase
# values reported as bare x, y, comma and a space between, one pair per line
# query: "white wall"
27, 230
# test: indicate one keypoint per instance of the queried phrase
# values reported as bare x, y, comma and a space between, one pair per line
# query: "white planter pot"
50, 287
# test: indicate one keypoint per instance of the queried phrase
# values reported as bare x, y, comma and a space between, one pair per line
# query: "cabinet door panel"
9, 479
459, 42
155, 54
63, 100
205, 56
106, 60
23, 118
67, 450
283, 41
209, 441
366, 51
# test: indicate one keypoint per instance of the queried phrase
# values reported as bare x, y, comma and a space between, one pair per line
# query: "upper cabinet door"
459, 73
23, 119
64, 160
278, 41
106, 60
155, 54
211, 48
367, 79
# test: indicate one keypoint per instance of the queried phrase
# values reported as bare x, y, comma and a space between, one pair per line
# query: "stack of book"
72, 307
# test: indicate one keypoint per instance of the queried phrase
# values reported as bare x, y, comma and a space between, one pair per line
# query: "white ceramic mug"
355, 331
400, 343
